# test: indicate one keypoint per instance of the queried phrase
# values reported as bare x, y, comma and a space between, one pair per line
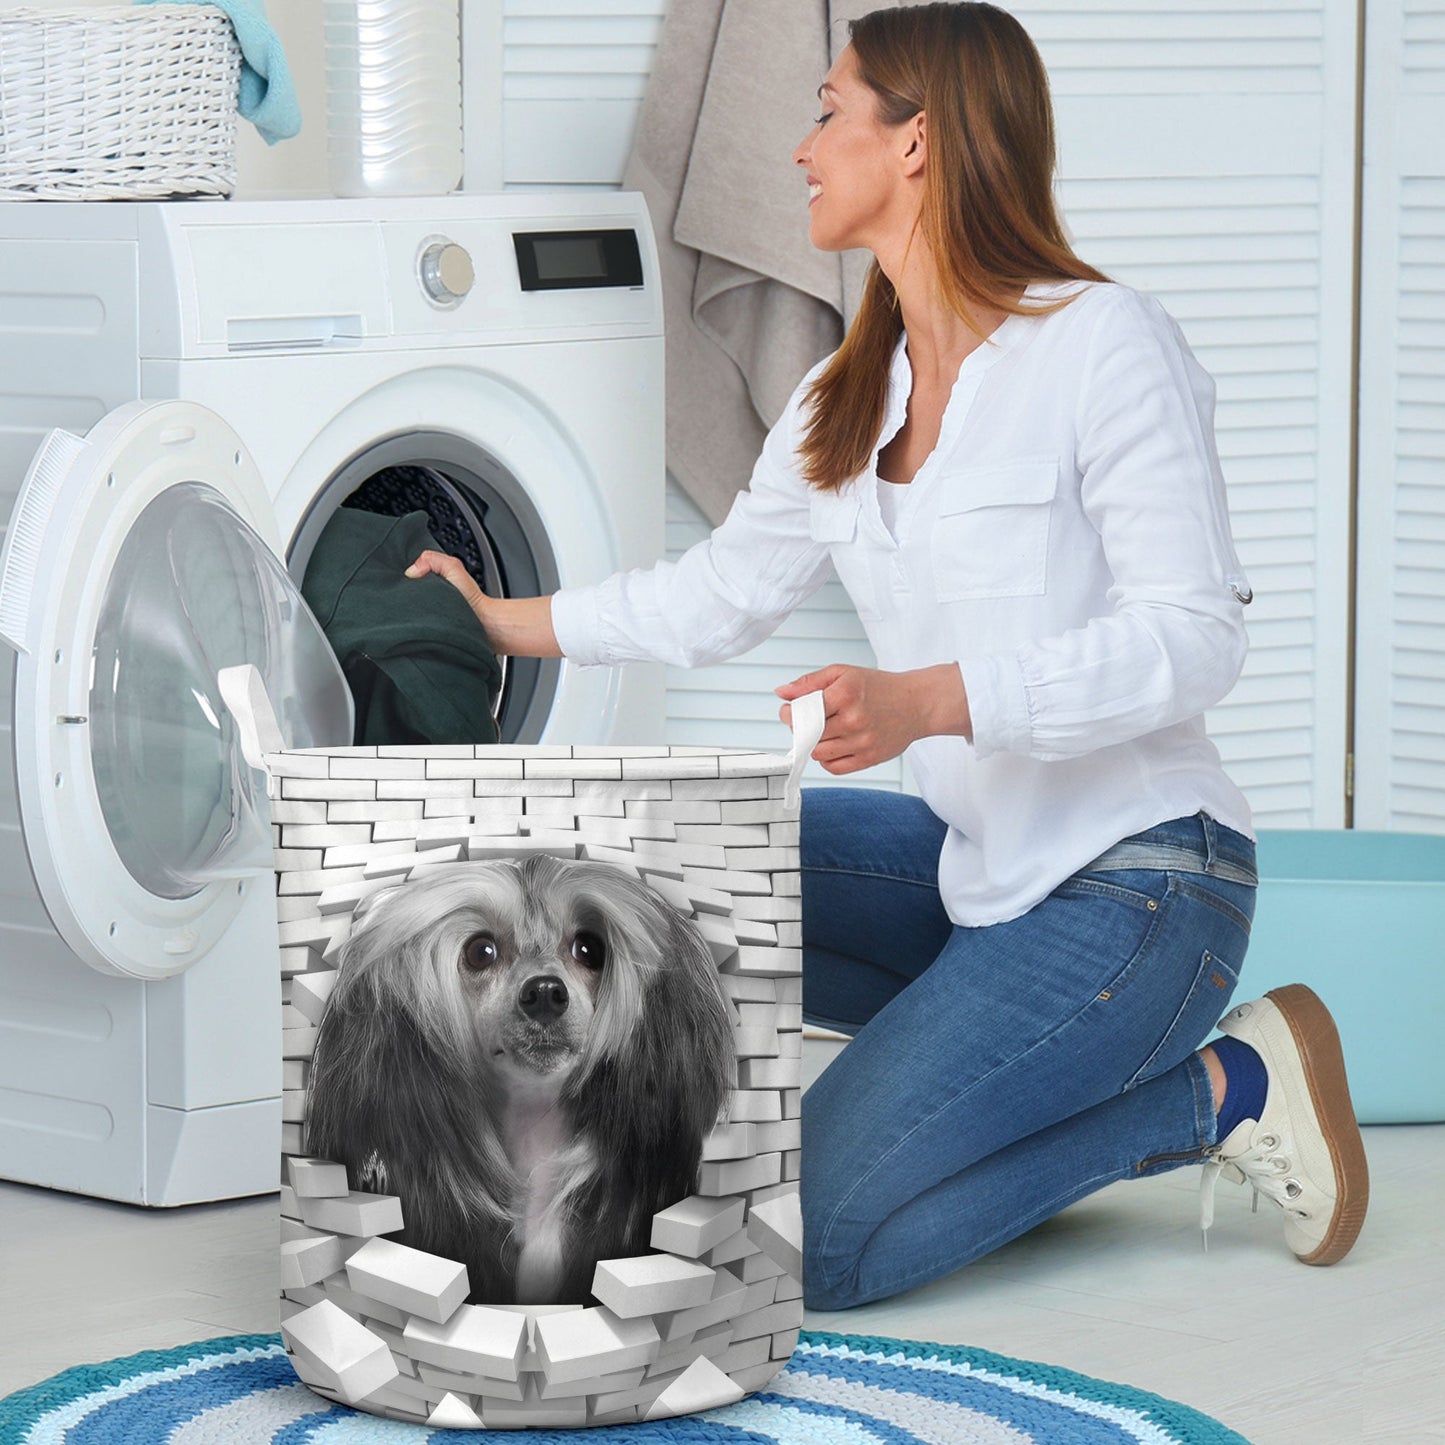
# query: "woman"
1010, 463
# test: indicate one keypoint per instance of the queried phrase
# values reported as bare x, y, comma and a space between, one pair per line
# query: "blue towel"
268, 95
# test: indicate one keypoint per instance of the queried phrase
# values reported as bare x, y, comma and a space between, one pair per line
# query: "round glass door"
148, 565
194, 590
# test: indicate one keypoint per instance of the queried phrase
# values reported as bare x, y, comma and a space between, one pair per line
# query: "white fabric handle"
808, 723
244, 693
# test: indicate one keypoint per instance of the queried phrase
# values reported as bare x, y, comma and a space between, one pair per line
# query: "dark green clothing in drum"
415, 657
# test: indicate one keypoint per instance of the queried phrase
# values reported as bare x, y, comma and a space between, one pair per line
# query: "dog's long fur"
527, 1148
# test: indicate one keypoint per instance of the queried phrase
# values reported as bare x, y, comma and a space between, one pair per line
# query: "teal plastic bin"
1360, 918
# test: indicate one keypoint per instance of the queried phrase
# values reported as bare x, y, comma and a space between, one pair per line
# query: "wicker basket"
117, 104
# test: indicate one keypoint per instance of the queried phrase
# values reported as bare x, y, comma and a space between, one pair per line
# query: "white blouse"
1066, 544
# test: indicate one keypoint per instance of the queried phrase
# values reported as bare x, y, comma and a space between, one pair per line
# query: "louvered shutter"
1206, 156
1400, 677
572, 75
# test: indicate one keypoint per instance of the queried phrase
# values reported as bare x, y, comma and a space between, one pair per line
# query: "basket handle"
808, 721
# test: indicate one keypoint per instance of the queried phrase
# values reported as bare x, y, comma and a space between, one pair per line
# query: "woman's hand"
443, 564
515, 626
873, 716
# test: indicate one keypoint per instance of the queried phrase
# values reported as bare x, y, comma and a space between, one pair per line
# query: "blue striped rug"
837, 1390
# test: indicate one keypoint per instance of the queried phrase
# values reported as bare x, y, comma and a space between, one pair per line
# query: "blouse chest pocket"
992, 534
833, 519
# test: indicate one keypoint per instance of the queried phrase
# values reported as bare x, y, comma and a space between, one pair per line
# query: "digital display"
563, 260
570, 258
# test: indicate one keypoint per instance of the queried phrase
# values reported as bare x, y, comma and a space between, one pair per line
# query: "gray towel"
749, 304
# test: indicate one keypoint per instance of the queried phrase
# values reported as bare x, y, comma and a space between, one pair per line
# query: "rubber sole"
1318, 1041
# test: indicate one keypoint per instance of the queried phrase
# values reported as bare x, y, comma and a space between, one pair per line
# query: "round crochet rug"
836, 1390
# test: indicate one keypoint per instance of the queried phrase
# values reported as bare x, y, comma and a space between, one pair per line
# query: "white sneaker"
1306, 1153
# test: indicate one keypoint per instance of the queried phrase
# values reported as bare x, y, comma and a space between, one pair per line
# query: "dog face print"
530, 1054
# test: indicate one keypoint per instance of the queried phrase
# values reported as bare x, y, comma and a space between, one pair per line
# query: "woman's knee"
831, 1260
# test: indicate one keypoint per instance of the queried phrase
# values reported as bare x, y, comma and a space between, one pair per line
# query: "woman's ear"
915, 144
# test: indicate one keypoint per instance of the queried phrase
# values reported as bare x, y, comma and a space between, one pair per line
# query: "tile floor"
1117, 1287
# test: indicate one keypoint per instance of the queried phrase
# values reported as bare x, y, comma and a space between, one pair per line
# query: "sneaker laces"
1262, 1167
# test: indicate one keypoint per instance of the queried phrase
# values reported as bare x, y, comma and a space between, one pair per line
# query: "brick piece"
347, 897
756, 1043
768, 962
342, 1351
645, 1284
473, 768
317, 1179
569, 1414
784, 1315
299, 959
298, 1043
579, 1343
751, 932
410, 1279
734, 1247
358, 1213
756, 1106
380, 1319
309, 992
729, 1141
784, 1343
710, 1342
764, 1074
754, 1377
309, 1259
695, 1224
374, 767
759, 1014
759, 1266
486, 847
775, 1138
453, 1413
324, 835
702, 1386
728, 880
487, 1385
688, 812
734, 1176
719, 937
612, 1384
477, 1339
314, 932
744, 1353
729, 1297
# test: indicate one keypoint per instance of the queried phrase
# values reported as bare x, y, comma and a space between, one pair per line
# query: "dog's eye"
589, 950
479, 952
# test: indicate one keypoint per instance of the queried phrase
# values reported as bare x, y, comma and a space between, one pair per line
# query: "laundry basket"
575, 965
117, 103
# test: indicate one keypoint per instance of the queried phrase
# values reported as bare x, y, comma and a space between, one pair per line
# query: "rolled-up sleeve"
722, 596
1174, 641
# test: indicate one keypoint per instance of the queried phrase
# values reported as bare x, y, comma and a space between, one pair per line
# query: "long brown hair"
988, 212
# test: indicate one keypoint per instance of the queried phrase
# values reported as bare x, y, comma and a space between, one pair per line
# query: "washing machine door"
140, 560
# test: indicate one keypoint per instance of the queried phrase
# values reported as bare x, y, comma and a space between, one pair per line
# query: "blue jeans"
998, 1074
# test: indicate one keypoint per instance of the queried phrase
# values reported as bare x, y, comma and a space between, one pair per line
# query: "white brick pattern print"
711, 1316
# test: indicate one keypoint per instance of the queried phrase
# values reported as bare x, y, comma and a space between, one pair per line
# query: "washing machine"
188, 392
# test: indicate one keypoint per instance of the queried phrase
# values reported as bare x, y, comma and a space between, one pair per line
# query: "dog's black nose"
543, 998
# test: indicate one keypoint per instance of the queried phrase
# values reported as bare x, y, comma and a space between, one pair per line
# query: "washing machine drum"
454, 516
419, 667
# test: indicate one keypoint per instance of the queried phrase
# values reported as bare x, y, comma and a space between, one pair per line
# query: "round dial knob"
446, 271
